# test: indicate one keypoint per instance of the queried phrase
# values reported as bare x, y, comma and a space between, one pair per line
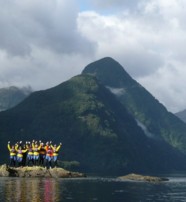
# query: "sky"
46, 42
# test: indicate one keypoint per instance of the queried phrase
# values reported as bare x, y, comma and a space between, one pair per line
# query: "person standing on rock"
24, 155
42, 154
36, 149
12, 151
49, 156
20, 152
55, 153
30, 154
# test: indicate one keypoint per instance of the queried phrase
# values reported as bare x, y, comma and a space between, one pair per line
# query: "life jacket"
30, 151
42, 151
12, 152
55, 152
19, 153
49, 152
36, 151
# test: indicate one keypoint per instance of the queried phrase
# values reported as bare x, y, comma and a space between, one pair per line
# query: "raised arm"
9, 146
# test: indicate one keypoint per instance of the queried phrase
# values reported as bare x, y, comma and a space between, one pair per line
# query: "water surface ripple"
91, 189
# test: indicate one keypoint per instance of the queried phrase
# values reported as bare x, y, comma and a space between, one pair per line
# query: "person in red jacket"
49, 156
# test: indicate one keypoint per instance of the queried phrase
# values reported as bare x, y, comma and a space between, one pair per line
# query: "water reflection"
90, 189
26, 189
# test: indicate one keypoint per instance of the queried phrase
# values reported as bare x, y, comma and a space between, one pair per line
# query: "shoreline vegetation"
38, 171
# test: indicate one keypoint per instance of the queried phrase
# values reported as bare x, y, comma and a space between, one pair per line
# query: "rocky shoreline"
144, 178
37, 171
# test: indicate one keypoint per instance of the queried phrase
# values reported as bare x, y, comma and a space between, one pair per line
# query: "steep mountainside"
94, 127
181, 115
140, 103
11, 96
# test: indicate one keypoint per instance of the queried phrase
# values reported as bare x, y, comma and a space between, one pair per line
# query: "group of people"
34, 153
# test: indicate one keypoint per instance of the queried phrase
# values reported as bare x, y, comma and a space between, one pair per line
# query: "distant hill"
95, 128
181, 115
147, 110
11, 96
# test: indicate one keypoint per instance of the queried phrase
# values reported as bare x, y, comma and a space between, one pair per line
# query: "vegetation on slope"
81, 113
95, 128
140, 103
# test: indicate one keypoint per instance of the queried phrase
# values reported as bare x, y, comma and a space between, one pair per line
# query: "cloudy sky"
45, 42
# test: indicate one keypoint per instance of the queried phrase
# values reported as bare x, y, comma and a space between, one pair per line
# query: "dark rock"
137, 177
36, 171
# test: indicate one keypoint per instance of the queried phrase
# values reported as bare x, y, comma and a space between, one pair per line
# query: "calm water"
91, 189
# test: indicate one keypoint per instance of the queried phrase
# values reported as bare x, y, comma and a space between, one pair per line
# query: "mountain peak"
140, 103
109, 71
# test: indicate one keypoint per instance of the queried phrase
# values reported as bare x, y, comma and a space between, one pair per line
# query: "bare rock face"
37, 171
137, 177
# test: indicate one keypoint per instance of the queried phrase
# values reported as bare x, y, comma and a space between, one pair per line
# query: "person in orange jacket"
12, 151
55, 149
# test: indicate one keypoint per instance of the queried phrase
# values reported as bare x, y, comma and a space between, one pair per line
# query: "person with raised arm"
49, 154
20, 152
30, 154
12, 151
55, 149
42, 154
36, 149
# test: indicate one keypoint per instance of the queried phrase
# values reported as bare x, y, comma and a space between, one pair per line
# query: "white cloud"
42, 69
43, 43
45, 23
39, 41
149, 42
168, 85
127, 40
117, 91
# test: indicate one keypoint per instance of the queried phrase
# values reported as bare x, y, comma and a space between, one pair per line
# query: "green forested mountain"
140, 103
94, 127
11, 96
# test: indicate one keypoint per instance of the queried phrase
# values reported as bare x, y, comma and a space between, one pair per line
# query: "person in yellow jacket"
30, 154
55, 149
36, 149
20, 152
12, 151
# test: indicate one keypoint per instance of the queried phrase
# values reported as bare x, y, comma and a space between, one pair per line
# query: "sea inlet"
102, 189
